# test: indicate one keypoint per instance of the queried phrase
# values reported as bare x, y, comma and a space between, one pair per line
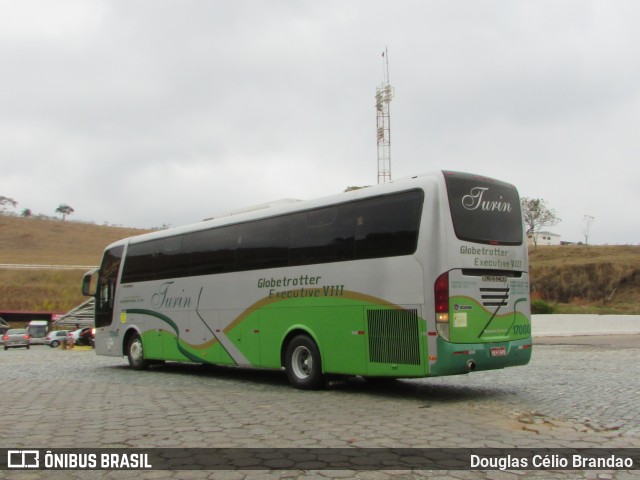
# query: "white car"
55, 338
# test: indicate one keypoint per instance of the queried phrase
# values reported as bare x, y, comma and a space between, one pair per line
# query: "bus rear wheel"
135, 353
303, 364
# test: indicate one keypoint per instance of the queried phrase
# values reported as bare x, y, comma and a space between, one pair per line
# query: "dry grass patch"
603, 278
54, 242
49, 242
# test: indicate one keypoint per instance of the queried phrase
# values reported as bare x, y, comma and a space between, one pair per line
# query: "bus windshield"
484, 210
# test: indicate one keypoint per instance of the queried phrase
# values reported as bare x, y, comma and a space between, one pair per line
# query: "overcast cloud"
144, 113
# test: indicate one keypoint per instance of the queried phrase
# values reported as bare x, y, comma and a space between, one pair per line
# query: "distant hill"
597, 279
603, 279
54, 242
49, 242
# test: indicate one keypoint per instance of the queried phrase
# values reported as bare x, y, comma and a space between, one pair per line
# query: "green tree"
26, 213
7, 202
537, 215
64, 210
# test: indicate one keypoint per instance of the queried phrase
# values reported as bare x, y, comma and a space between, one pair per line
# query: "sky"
146, 113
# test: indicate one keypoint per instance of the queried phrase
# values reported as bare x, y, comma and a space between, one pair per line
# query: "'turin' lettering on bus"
161, 298
474, 200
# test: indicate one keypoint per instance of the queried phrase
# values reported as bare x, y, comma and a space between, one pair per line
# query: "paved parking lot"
574, 393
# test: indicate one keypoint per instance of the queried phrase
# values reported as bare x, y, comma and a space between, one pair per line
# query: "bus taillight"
441, 295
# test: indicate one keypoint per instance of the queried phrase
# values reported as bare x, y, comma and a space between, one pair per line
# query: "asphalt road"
578, 392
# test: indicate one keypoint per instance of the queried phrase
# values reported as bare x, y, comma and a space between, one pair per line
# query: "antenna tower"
384, 94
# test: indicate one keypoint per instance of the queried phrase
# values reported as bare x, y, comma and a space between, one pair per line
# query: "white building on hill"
544, 238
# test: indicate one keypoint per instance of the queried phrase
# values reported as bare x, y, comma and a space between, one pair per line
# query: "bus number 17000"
522, 329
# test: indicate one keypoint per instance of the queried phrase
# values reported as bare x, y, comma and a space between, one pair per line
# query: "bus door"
105, 297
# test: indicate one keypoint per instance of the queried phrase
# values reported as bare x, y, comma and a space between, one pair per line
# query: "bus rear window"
484, 210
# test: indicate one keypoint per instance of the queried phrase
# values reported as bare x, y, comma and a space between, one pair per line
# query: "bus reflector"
525, 347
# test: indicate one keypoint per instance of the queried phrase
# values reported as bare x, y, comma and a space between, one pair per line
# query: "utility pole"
588, 221
384, 94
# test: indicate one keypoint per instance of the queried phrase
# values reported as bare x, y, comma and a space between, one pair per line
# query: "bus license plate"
499, 351
494, 278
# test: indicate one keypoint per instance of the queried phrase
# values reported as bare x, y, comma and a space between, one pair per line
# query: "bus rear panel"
482, 305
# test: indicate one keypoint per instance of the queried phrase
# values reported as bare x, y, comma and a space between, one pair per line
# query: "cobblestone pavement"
570, 395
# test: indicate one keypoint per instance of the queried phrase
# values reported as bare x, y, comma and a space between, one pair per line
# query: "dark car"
16, 338
82, 336
87, 337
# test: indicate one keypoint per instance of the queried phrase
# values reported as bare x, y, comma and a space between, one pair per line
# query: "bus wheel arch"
133, 349
290, 335
302, 361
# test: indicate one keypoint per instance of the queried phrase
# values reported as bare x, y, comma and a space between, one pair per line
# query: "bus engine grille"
394, 336
495, 297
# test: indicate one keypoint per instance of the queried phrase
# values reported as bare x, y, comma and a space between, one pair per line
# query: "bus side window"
321, 236
388, 226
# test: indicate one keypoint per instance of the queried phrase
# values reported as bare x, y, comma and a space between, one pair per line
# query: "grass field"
49, 242
54, 242
572, 279
587, 279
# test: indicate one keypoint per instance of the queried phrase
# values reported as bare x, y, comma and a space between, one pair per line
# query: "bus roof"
282, 207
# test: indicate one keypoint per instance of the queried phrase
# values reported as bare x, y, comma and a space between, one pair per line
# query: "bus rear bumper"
457, 358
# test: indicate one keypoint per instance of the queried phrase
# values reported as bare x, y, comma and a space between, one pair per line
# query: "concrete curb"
572, 325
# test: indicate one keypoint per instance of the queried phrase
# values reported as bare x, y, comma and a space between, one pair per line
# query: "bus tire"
303, 365
135, 353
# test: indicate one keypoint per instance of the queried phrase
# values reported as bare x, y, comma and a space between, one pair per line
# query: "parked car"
16, 338
82, 336
88, 337
55, 338
4, 326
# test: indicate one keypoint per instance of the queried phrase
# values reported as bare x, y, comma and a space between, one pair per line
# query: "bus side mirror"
89, 283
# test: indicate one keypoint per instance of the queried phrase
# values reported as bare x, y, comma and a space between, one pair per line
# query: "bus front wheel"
135, 353
303, 364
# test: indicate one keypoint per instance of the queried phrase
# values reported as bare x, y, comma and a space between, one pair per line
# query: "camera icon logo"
23, 459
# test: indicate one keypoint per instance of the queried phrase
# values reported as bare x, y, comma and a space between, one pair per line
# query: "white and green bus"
420, 277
